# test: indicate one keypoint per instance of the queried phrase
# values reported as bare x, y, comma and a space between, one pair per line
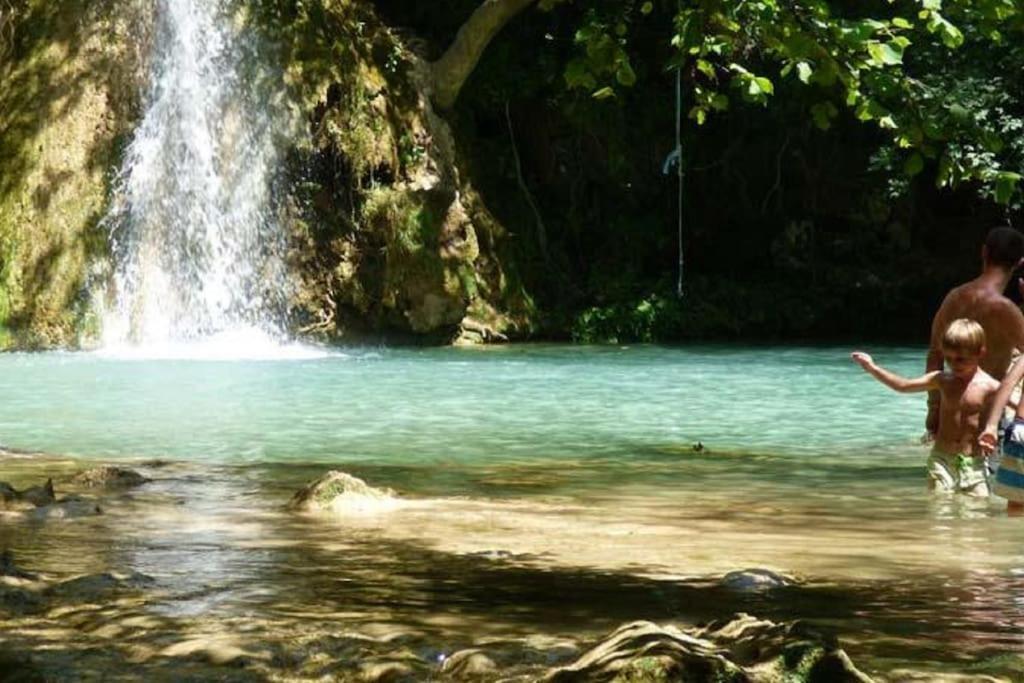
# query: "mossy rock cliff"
70, 73
388, 236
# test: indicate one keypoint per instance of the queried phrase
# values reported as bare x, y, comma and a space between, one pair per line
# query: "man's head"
1004, 248
963, 346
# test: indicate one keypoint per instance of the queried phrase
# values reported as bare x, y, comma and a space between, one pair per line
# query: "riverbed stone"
756, 580
109, 477
18, 597
738, 649
337, 491
66, 508
35, 496
94, 586
468, 665
9, 568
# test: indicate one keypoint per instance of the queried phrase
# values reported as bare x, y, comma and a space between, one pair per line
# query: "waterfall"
197, 247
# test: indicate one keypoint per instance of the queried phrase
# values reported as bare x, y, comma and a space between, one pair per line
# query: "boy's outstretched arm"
904, 385
988, 439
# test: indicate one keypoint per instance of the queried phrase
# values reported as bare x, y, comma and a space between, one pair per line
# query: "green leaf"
577, 75
932, 4
604, 93
765, 85
804, 71
625, 74
823, 113
647, 8
885, 53
706, 68
913, 165
1006, 186
900, 22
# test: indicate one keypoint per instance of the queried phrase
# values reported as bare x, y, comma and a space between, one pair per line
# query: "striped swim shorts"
1009, 481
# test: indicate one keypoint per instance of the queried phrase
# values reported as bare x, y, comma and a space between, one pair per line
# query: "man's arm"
934, 364
904, 385
987, 439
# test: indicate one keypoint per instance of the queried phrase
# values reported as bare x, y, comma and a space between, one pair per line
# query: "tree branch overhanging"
450, 72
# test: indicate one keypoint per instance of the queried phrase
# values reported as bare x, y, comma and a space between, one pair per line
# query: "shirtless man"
956, 463
982, 300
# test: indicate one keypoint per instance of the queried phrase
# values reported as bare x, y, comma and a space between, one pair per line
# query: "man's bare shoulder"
1001, 307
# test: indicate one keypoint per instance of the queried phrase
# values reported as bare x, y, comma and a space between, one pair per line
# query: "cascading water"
196, 243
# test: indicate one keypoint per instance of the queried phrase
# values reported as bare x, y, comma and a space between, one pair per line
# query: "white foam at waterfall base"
231, 345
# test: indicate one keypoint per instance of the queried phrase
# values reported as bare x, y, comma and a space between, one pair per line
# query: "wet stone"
67, 508
8, 568
35, 496
109, 477
755, 580
93, 586
330, 491
468, 664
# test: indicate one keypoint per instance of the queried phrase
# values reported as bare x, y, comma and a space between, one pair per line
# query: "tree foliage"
943, 81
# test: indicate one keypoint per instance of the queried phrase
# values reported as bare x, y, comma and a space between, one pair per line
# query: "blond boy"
956, 462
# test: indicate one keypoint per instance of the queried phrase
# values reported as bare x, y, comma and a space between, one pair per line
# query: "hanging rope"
679, 172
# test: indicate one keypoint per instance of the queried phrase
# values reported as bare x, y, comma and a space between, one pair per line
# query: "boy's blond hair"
964, 335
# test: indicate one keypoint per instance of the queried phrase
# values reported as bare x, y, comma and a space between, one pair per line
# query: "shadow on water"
238, 579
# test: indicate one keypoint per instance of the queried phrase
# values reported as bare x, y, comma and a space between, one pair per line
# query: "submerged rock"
36, 496
17, 599
341, 492
756, 580
8, 568
468, 664
109, 477
66, 508
739, 649
93, 586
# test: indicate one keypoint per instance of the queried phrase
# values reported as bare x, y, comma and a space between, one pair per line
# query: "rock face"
109, 477
340, 492
388, 233
70, 90
741, 649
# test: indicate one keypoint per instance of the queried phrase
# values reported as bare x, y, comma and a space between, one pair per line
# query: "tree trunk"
453, 68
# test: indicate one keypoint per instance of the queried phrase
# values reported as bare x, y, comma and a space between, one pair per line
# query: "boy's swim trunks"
1009, 481
957, 473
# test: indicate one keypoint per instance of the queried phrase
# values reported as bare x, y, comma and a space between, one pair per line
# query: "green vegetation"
841, 161
69, 89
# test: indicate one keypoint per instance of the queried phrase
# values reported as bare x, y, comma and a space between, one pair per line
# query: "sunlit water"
541, 489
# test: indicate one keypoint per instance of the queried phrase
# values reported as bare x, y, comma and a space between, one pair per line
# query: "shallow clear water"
531, 479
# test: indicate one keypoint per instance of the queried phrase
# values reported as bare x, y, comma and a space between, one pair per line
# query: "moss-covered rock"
388, 234
69, 95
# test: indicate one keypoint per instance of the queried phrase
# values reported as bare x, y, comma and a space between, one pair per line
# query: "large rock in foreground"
741, 649
339, 492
